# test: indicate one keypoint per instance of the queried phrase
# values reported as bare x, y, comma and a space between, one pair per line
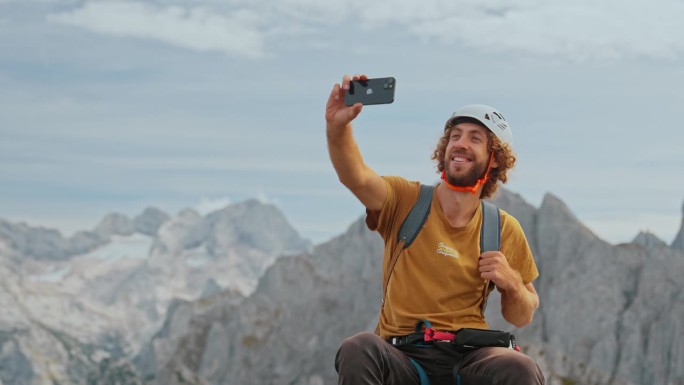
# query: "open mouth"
460, 159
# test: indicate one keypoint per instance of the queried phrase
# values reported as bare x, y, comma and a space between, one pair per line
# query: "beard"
470, 178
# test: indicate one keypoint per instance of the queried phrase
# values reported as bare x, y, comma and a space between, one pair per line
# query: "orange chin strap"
471, 189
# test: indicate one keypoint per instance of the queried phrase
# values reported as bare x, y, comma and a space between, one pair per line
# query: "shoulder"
401, 195
399, 188
511, 229
508, 220
400, 183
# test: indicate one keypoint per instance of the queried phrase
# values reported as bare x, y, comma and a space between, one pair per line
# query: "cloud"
577, 31
197, 28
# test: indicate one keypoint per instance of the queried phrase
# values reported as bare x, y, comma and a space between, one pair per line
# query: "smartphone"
370, 91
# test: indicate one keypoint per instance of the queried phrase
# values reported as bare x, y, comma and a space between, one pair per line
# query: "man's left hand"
494, 267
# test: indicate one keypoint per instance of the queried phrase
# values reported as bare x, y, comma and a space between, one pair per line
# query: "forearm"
346, 156
519, 303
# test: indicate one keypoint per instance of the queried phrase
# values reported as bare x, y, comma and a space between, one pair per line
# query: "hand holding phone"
370, 91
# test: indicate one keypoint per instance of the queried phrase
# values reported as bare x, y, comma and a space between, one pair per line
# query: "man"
441, 277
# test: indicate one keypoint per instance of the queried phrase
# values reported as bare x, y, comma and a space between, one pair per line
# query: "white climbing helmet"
487, 115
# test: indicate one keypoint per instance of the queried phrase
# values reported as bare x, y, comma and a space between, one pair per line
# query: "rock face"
22, 241
114, 224
608, 315
176, 307
149, 221
603, 304
287, 330
78, 309
648, 240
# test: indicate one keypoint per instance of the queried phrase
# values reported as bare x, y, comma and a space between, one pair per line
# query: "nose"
461, 142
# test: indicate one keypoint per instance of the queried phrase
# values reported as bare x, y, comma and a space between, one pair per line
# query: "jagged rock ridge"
609, 314
24, 241
89, 311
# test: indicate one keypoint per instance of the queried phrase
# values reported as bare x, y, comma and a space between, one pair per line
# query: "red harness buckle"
435, 335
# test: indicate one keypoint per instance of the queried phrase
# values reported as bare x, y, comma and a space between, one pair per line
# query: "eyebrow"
469, 132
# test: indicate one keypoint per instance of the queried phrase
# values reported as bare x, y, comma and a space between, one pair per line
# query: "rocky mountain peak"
249, 224
608, 314
648, 240
553, 205
257, 225
34, 242
114, 224
557, 218
149, 221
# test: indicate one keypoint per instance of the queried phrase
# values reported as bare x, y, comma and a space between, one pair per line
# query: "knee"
356, 347
358, 344
524, 367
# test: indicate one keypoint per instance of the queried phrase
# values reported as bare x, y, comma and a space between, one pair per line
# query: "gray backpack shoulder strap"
408, 231
490, 232
490, 240
417, 216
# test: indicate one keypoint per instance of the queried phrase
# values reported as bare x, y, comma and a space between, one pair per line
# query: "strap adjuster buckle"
435, 335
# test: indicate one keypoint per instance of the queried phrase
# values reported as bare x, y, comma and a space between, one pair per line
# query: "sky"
115, 106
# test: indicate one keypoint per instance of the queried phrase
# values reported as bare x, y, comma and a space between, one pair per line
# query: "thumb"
354, 111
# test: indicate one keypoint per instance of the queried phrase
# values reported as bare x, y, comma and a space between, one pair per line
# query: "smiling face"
503, 158
466, 155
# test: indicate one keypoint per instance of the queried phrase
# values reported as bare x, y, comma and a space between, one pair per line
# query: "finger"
487, 268
488, 275
335, 93
486, 260
345, 82
489, 254
492, 257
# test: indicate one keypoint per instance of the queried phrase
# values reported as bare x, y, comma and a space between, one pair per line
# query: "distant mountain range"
238, 297
70, 304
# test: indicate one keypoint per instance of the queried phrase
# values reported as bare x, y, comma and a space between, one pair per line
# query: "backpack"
490, 235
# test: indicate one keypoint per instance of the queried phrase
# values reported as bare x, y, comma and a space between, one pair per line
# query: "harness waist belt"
466, 339
428, 335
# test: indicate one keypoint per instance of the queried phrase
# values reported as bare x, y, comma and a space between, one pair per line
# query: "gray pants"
366, 359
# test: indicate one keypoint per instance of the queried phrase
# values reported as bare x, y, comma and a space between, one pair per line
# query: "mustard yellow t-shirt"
437, 277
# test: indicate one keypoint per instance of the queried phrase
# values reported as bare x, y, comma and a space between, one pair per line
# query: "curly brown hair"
503, 154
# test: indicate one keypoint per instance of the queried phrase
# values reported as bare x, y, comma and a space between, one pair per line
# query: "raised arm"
345, 155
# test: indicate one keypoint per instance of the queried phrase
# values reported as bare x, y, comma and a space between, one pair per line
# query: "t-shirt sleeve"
517, 250
401, 195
